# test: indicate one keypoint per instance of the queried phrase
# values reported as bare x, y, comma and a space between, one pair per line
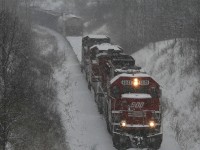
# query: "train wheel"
155, 145
99, 103
120, 142
89, 86
86, 76
108, 126
117, 142
82, 69
95, 97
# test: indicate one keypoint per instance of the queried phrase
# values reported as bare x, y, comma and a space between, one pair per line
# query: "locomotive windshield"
123, 61
120, 63
154, 92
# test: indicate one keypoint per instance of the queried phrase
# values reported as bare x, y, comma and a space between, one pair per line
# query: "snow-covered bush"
173, 64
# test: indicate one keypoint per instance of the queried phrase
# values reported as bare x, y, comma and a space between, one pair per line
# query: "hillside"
173, 64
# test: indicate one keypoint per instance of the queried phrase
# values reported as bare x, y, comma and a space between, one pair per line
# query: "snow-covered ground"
172, 65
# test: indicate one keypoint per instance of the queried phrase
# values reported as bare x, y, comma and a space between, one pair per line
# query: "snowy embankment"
171, 63
85, 127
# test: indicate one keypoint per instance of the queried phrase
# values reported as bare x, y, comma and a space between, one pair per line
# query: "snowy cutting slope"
85, 127
171, 64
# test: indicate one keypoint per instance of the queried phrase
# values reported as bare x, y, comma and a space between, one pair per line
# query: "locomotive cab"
96, 50
104, 48
121, 63
135, 111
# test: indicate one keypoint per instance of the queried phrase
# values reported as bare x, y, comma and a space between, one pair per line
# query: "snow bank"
171, 64
85, 127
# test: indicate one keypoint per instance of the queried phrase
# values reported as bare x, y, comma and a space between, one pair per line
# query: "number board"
126, 82
129, 82
144, 82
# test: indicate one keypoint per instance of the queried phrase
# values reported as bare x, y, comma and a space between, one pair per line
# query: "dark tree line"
27, 120
134, 23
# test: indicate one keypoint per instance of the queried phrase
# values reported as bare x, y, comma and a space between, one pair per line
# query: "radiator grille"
136, 114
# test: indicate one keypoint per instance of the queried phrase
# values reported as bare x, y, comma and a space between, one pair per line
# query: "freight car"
128, 98
70, 25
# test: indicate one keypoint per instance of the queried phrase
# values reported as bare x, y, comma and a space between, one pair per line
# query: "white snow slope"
172, 65
85, 127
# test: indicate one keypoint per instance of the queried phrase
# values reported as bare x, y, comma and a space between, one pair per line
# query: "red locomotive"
128, 98
133, 111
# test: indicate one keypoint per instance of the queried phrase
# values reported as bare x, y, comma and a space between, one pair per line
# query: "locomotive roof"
128, 70
137, 75
102, 54
122, 56
136, 96
96, 36
107, 46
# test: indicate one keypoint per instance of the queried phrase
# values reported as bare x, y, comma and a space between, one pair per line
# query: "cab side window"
154, 92
115, 92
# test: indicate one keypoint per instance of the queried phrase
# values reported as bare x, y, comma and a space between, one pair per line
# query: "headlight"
123, 123
117, 118
135, 82
152, 124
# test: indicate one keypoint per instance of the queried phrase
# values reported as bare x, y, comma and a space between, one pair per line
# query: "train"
127, 97
66, 24
70, 25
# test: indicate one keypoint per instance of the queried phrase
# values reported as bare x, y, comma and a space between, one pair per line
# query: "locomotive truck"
128, 98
